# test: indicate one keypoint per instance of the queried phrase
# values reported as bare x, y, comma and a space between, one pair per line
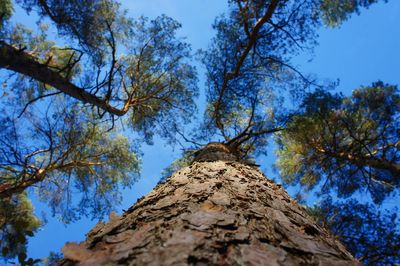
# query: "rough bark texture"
218, 212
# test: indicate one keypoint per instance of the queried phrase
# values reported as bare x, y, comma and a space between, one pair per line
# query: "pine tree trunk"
215, 212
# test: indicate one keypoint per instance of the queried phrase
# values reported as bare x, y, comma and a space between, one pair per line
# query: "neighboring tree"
148, 75
62, 153
334, 12
17, 221
129, 66
77, 167
347, 143
373, 236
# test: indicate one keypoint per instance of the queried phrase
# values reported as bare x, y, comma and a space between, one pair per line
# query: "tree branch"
19, 61
252, 39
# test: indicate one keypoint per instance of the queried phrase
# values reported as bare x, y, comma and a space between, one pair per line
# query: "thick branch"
250, 44
19, 61
382, 164
7, 190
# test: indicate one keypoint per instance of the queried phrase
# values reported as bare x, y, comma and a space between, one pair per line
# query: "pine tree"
219, 209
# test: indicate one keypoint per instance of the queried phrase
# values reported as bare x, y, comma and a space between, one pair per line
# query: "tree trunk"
217, 211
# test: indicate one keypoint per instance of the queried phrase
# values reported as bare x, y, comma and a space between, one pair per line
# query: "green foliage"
157, 80
350, 142
249, 74
65, 60
335, 12
371, 235
140, 68
87, 22
6, 10
61, 153
17, 223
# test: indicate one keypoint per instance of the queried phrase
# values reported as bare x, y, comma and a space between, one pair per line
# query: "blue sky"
364, 49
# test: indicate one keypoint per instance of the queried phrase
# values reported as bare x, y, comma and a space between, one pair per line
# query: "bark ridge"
211, 213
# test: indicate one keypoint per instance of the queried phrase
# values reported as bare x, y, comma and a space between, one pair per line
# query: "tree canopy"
347, 143
16, 223
372, 235
250, 76
69, 97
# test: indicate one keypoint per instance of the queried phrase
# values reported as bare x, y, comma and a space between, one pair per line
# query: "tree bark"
217, 211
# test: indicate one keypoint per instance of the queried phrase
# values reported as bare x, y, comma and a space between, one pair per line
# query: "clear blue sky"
363, 50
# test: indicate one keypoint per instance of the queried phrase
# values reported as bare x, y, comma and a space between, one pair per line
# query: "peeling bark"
219, 212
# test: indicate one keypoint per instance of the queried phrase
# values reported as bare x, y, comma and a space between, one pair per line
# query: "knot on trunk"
215, 151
